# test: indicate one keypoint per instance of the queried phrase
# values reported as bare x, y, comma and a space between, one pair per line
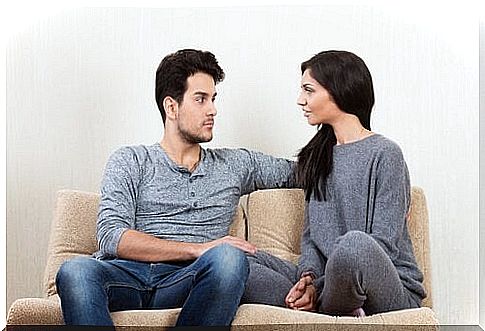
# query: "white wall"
81, 83
482, 171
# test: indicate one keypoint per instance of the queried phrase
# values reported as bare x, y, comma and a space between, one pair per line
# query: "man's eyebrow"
204, 94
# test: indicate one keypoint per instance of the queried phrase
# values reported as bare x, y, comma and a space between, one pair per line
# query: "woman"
357, 256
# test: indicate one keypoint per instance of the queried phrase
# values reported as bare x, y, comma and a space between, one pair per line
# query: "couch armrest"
35, 311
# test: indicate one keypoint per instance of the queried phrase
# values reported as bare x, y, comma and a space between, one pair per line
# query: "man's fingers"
240, 243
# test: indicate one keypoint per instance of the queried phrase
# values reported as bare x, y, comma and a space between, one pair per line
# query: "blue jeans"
208, 289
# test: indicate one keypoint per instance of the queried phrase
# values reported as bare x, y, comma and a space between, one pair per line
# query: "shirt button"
191, 180
192, 194
195, 204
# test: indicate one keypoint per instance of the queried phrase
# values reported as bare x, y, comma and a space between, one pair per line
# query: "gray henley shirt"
144, 190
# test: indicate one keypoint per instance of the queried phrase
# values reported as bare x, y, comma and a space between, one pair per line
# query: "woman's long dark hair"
348, 81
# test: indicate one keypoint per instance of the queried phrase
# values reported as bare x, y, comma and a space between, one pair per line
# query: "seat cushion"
48, 312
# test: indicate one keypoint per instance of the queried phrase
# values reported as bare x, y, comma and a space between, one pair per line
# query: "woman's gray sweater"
368, 190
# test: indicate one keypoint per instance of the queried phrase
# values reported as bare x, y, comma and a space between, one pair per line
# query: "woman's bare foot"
359, 312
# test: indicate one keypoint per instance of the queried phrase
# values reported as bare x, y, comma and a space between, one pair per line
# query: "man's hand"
302, 295
233, 241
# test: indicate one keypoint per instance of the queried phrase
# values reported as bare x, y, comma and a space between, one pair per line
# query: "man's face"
197, 110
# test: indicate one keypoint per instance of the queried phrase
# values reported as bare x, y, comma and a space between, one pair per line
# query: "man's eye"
200, 100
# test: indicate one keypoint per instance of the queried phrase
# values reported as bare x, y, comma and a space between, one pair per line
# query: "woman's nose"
300, 100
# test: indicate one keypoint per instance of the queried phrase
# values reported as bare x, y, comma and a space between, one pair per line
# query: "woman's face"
317, 104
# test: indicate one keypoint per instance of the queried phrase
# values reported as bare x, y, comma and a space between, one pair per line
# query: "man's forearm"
139, 246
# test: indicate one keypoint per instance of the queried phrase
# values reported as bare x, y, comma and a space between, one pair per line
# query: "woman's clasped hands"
302, 296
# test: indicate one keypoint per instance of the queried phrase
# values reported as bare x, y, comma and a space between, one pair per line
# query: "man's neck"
182, 153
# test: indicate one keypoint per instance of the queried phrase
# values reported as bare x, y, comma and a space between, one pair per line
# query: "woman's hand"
302, 295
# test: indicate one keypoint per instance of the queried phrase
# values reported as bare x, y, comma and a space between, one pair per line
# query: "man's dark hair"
173, 71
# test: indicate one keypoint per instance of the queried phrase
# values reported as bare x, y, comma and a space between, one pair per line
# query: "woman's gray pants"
358, 274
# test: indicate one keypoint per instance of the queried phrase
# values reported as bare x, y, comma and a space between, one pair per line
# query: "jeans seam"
188, 274
107, 286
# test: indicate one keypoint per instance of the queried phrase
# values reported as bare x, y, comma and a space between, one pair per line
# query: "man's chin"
200, 140
206, 140
196, 139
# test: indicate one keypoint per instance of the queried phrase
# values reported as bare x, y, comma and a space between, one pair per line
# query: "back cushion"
418, 227
73, 231
275, 222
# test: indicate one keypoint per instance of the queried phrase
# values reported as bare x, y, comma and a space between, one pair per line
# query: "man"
165, 213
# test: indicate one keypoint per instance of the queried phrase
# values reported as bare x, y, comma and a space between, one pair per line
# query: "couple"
166, 209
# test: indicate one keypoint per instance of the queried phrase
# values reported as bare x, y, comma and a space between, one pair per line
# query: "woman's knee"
355, 238
351, 249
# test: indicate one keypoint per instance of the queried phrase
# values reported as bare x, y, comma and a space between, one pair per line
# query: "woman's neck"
348, 129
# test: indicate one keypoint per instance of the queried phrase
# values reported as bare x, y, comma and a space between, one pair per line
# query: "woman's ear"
171, 107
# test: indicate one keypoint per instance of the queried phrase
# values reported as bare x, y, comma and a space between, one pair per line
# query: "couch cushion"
275, 222
48, 312
264, 314
73, 231
418, 227
31, 311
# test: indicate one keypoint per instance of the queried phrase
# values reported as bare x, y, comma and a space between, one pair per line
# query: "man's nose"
212, 109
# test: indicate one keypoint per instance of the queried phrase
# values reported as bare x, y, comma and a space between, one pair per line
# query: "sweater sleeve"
391, 202
118, 200
311, 260
262, 171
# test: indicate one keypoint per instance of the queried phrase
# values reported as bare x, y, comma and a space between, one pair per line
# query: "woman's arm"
311, 260
311, 268
387, 220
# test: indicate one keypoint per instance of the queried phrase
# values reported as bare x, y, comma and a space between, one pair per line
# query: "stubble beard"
193, 138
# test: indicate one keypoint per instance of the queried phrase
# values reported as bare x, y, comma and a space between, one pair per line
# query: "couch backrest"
275, 222
271, 219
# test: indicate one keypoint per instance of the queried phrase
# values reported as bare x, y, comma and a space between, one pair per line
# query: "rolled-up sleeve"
118, 200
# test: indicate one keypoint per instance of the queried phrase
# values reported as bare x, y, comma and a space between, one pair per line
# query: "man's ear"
171, 107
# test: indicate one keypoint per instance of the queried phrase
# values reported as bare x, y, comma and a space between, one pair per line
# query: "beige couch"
271, 219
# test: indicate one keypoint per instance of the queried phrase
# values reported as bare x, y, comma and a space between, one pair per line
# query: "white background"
80, 83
